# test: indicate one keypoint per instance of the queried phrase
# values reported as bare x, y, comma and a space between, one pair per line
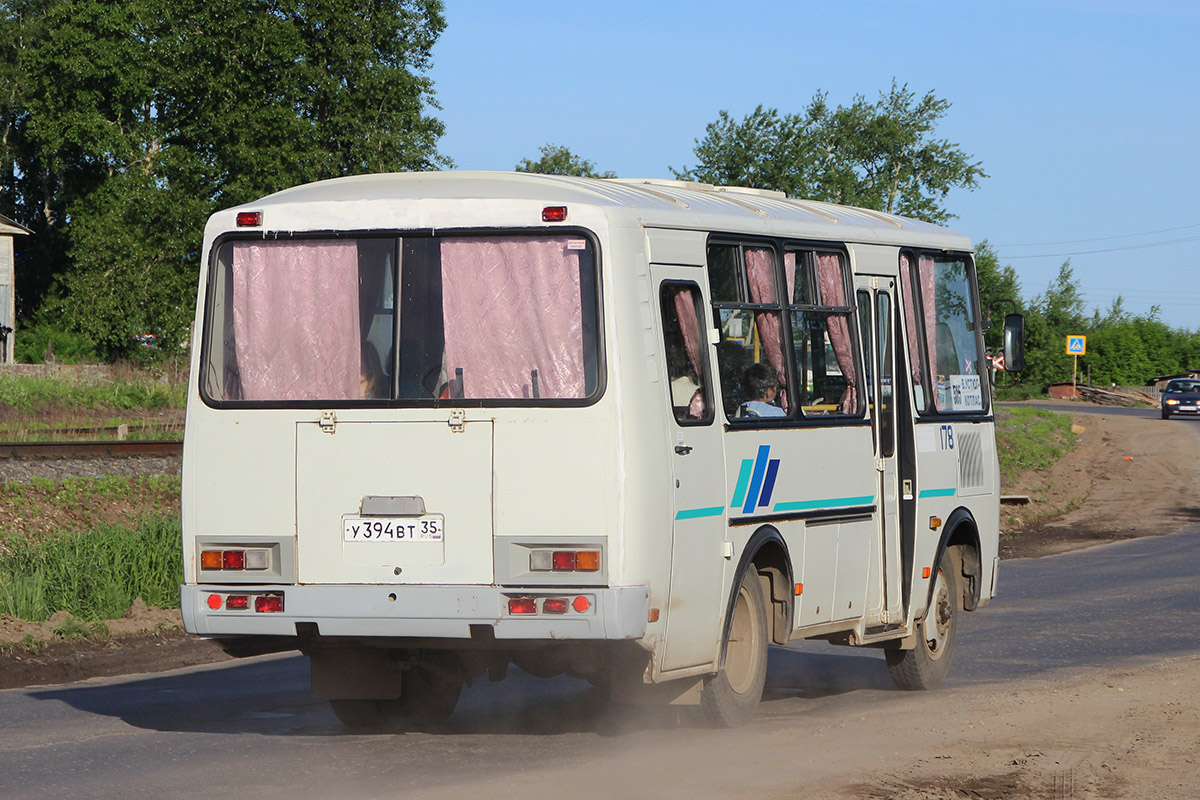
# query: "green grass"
139, 430
1031, 439
94, 574
82, 492
27, 394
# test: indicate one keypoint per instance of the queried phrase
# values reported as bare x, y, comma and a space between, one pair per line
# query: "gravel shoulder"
1128, 477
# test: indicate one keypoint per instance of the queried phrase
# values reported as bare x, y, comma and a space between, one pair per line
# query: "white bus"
634, 431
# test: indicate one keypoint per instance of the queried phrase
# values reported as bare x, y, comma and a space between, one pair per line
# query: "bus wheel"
926, 665
428, 696
730, 697
366, 715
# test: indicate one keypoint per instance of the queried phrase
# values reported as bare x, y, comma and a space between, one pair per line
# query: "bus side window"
748, 313
822, 324
687, 369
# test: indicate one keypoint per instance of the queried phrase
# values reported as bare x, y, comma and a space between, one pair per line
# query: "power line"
1100, 238
1145, 246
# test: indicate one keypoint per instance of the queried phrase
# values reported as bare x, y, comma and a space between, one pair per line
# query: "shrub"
69, 347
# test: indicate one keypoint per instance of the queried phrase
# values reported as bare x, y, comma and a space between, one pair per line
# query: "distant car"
1181, 397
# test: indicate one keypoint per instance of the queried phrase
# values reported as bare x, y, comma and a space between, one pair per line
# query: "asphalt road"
249, 728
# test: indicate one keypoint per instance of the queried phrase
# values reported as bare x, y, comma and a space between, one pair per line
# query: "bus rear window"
492, 318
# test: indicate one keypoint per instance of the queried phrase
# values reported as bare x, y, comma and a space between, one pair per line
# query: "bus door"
697, 472
876, 310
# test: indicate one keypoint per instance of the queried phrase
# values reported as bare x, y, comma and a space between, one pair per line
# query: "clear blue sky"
1085, 113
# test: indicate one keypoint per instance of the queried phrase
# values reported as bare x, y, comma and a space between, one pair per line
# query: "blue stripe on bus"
697, 513
739, 493
769, 482
835, 502
756, 480
938, 492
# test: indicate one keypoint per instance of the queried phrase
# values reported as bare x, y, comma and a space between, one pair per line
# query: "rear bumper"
441, 612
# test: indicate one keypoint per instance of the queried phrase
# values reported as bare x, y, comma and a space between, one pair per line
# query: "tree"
766, 150
558, 160
880, 155
996, 284
123, 125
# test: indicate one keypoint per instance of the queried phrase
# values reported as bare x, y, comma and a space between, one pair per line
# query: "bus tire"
730, 697
428, 696
366, 715
926, 665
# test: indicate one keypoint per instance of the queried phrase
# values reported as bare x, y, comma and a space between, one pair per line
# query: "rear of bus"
399, 451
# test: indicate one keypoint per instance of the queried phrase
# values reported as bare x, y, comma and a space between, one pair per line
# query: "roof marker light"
554, 214
249, 219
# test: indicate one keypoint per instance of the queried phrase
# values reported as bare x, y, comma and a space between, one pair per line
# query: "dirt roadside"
1127, 477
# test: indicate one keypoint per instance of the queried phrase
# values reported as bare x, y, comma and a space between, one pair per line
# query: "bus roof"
655, 202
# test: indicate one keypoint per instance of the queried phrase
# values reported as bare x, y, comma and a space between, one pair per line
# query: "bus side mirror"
1014, 342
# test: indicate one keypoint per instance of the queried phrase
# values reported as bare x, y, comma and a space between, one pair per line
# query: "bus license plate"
428, 528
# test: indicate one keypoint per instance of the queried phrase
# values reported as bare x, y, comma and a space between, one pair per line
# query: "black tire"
366, 715
428, 696
1166, 414
926, 665
730, 697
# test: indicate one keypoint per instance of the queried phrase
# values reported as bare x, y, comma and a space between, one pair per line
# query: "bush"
69, 347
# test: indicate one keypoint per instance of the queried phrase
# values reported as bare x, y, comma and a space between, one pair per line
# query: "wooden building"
8, 231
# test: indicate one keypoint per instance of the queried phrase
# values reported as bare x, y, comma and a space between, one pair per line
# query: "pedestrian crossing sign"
1076, 345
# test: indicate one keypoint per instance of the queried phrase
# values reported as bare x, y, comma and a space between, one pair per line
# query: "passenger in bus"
372, 384
762, 388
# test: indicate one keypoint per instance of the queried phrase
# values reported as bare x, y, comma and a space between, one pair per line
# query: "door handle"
683, 449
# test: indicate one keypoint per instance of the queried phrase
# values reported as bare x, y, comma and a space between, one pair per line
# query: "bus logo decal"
756, 481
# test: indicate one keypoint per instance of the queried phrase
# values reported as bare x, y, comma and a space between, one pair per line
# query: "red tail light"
269, 604
233, 559
522, 605
555, 605
237, 602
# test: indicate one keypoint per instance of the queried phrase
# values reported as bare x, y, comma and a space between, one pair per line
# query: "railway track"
88, 449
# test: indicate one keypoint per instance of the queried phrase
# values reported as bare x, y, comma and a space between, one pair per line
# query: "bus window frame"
931, 411
399, 235
706, 387
784, 306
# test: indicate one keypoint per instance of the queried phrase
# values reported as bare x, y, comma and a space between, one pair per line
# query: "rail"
107, 449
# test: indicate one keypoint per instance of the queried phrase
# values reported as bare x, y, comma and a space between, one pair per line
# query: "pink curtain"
296, 320
760, 270
927, 278
910, 316
789, 274
833, 293
512, 305
689, 323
